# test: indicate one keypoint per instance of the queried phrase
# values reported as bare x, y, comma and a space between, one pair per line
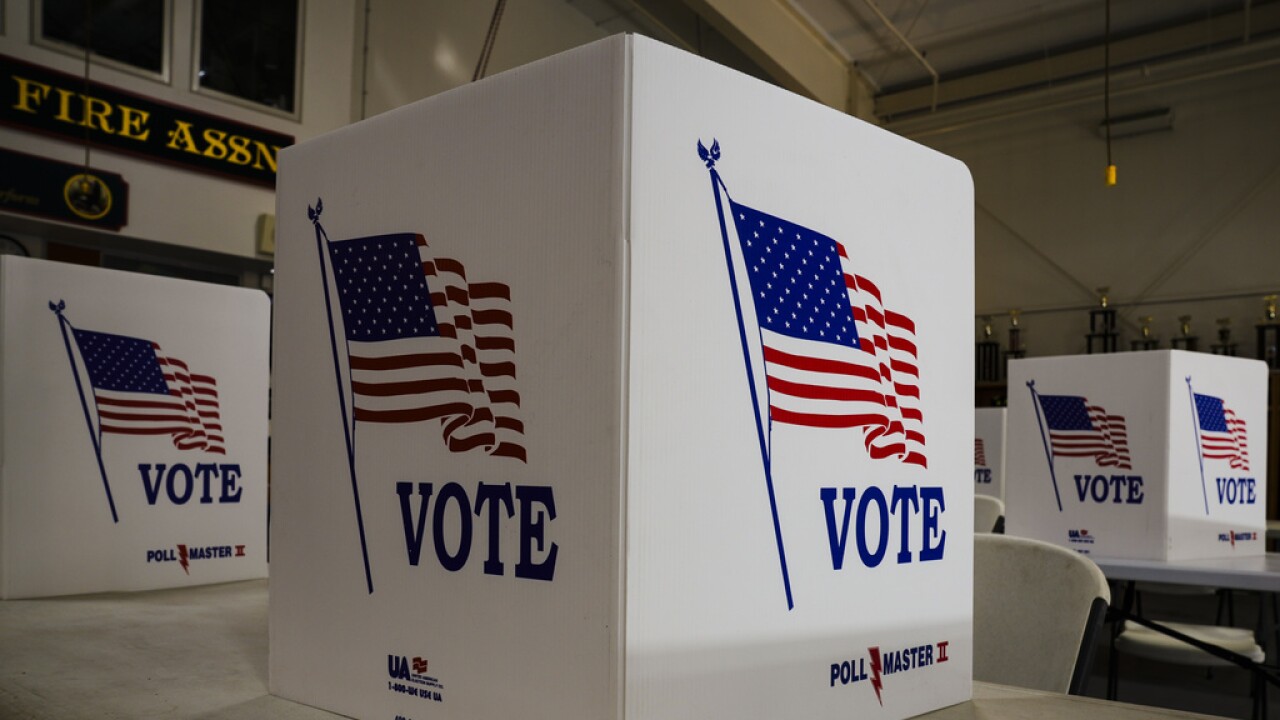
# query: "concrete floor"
185, 653
202, 653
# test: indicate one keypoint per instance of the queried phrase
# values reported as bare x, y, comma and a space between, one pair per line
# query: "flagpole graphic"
1221, 435
710, 157
420, 343
1195, 427
1072, 427
322, 239
818, 338
94, 436
1035, 400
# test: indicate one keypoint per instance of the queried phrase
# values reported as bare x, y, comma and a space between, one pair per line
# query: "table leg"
1117, 624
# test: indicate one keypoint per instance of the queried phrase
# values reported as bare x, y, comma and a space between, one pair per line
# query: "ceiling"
960, 37
919, 58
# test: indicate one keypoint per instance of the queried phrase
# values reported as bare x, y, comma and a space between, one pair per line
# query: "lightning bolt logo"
182, 558
875, 672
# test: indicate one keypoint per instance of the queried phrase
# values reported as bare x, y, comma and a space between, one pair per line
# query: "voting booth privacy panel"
1155, 455
134, 414
988, 451
621, 385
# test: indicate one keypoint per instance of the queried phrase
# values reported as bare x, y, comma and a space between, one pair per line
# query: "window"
128, 34
249, 50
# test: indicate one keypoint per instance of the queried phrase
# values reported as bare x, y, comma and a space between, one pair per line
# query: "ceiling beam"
792, 49
1215, 34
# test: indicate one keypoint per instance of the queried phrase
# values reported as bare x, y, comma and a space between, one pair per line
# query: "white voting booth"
1157, 455
134, 431
621, 385
988, 451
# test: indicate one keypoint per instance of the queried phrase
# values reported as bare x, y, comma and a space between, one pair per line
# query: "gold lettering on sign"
239, 150
265, 152
67, 105
28, 91
84, 110
215, 147
180, 138
133, 122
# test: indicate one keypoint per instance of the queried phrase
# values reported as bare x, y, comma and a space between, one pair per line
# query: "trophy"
1269, 334
1015, 350
1185, 340
1102, 325
987, 360
1224, 346
1147, 341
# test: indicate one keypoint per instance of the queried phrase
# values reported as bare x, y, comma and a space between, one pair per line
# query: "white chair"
1141, 641
1037, 609
987, 513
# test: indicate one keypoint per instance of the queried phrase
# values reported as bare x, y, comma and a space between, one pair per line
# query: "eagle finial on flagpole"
314, 213
709, 156
58, 307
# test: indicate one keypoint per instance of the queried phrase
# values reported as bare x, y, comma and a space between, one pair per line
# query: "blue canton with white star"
1209, 409
120, 363
382, 288
796, 279
1066, 412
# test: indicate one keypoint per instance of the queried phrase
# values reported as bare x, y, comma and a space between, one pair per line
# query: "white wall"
416, 49
179, 206
1195, 213
419, 49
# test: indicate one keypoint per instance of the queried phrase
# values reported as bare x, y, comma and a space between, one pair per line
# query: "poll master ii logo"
184, 555
878, 664
833, 357
413, 340
136, 389
1222, 446
1071, 427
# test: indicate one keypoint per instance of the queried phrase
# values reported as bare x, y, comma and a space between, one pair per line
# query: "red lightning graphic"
875, 672
182, 558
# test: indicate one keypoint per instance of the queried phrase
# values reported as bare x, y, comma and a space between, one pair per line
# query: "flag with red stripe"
138, 390
425, 344
834, 356
1078, 428
1223, 434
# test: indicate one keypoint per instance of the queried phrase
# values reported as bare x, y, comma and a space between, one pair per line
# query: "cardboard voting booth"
621, 385
1156, 455
988, 451
134, 439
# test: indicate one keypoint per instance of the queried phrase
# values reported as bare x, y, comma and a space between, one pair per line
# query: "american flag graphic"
426, 345
834, 356
138, 390
1078, 429
1223, 435
979, 453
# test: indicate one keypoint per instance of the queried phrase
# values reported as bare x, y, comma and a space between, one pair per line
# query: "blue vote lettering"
1237, 491
1117, 489
181, 482
908, 503
537, 510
